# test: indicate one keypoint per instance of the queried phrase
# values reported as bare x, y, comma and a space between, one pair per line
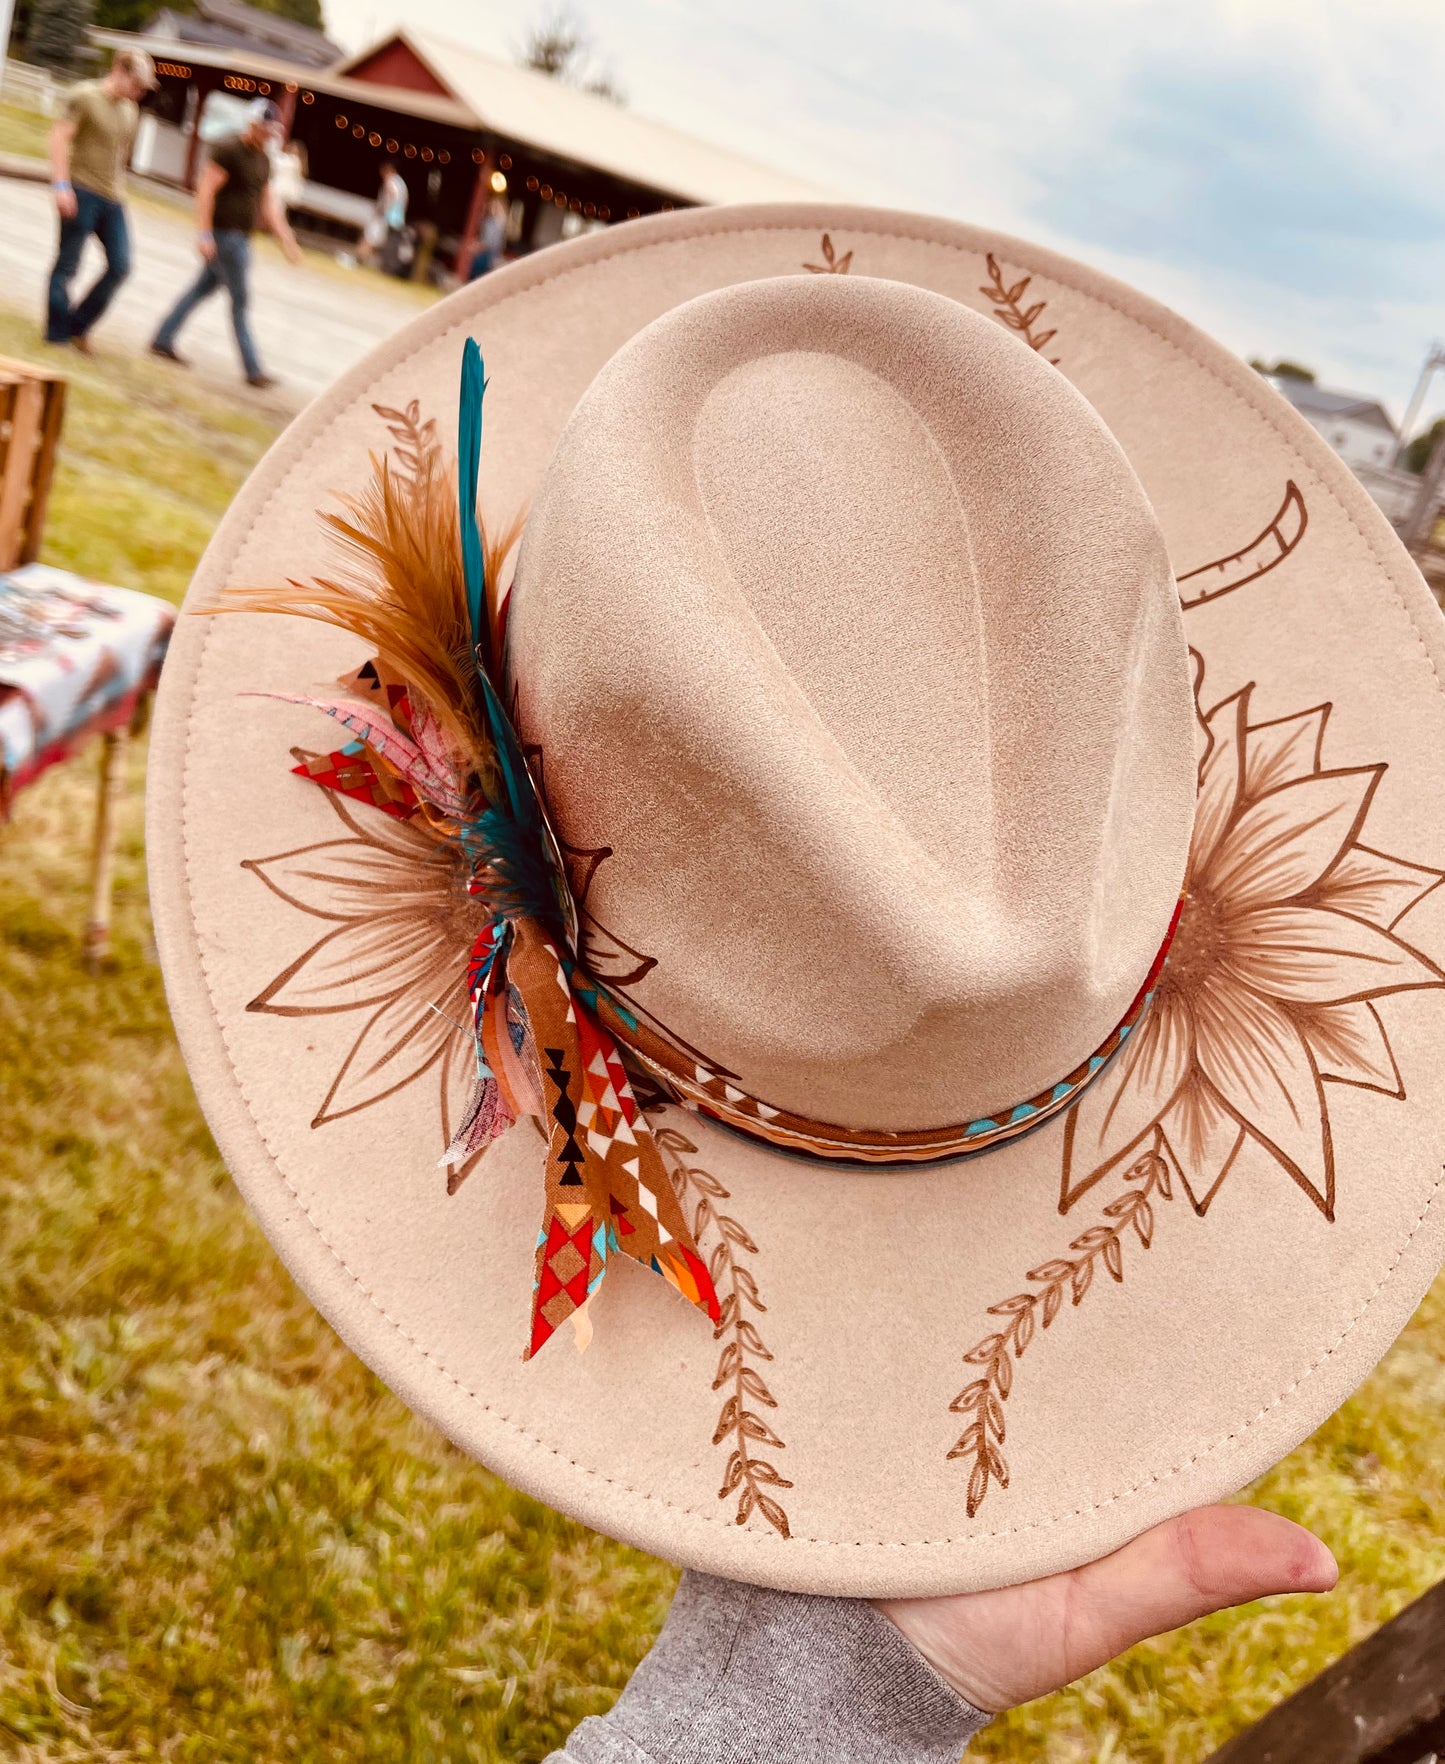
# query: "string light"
496, 179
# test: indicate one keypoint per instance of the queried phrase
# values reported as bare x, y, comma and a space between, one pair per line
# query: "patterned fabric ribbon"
716, 1094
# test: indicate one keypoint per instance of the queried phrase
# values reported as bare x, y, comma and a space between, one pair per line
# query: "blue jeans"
227, 269
106, 219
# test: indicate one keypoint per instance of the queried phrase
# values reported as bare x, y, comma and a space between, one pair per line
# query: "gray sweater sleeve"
740, 1675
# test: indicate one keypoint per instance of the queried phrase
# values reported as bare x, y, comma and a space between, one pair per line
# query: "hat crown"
845, 627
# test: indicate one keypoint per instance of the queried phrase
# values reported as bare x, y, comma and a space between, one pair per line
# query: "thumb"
1005, 1647
1185, 1569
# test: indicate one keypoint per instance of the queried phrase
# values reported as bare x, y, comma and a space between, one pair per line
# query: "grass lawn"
220, 1538
23, 131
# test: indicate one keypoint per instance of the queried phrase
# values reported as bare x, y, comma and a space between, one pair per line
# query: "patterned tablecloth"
76, 657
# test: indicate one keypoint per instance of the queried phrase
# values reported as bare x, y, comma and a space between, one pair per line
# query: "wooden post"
193, 146
32, 408
1382, 1703
26, 415
471, 231
113, 745
426, 245
1416, 529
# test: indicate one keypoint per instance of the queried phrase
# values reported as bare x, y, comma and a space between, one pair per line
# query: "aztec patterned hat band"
431, 744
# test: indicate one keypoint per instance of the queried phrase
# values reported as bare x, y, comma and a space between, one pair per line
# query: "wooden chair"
1382, 1703
32, 408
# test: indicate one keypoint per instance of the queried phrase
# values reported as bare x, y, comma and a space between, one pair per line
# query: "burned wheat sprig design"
746, 1476
1009, 308
417, 446
832, 264
982, 1400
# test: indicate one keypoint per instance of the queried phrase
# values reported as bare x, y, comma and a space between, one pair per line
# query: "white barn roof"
524, 105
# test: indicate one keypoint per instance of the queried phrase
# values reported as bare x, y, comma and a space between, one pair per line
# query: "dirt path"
310, 322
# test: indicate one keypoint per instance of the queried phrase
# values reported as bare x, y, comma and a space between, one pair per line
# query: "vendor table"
77, 658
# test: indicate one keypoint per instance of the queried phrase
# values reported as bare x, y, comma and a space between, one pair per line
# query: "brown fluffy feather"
403, 592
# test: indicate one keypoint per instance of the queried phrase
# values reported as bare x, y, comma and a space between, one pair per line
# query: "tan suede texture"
890, 593
899, 782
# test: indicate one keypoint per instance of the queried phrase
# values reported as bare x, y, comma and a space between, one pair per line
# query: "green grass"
23, 131
220, 1538
146, 467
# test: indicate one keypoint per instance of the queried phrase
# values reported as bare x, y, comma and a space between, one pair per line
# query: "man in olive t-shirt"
233, 196
89, 148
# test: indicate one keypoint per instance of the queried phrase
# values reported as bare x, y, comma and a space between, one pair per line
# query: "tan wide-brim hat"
892, 592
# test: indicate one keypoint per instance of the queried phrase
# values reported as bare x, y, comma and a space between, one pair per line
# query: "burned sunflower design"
1288, 938
397, 910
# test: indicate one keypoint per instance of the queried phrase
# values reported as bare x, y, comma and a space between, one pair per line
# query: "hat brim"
928, 1382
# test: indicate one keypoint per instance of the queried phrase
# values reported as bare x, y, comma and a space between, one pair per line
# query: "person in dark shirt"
232, 198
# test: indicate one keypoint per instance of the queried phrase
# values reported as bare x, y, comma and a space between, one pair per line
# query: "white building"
1358, 428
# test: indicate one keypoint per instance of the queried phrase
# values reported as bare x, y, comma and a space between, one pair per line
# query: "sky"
1273, 169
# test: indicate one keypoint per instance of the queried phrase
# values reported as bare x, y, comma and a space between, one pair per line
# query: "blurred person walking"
391, 204
89, 150
493, 241
234, 194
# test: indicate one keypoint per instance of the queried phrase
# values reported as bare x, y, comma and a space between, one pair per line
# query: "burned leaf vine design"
416, 440
1009, 309
832, 264
982, 1400
746, 1476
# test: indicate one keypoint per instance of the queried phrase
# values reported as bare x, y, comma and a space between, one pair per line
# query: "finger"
1184, 1569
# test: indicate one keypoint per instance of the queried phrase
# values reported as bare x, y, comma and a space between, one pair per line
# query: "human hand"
65, 203
291, 248
1006, 1647
206, 245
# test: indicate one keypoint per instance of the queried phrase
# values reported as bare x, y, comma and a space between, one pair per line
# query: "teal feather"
508, 839
469, 455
